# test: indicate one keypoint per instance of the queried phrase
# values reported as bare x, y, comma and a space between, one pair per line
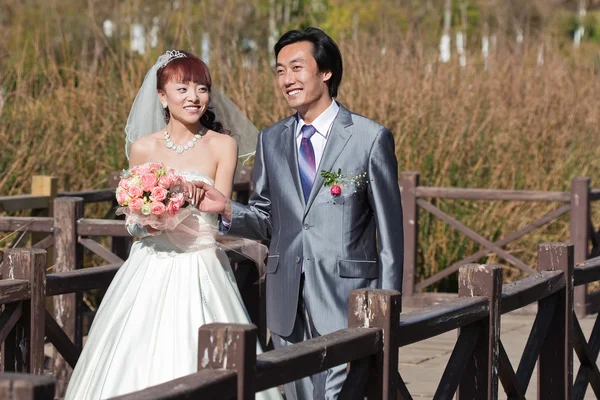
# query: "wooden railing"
228, 366
577, 203
67, 236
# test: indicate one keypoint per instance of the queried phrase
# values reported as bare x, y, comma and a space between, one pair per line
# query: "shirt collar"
323, 122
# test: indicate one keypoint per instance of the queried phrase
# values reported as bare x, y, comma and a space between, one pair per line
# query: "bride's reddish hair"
185, 69
189, 69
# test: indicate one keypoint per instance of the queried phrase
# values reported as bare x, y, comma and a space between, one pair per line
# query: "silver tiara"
169, 56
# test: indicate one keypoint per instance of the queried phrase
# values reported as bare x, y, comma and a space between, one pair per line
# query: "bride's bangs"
188, 69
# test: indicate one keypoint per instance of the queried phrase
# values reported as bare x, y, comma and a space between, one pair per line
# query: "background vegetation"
521, 112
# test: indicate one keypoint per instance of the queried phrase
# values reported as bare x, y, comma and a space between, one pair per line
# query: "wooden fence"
577, 202
25, 285
67, 235
229, 368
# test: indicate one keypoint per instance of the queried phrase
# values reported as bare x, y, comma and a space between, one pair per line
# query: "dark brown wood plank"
457, 363
587, 271
23, 202
555, 362
492, 194
509, 379
91, 196
306, 358
29, 224
480, 379
531, 289
69, 257
12, 290
231, 347
536, 338
551, 216
205, 384
370, 308
101, 227
440, 318
581, 381
587, 359
45, 243
26, 387
8, 318
100, 250
81, 280
409, 182
61, 341
514, 261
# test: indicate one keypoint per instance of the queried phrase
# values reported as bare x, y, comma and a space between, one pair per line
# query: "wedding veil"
146, 115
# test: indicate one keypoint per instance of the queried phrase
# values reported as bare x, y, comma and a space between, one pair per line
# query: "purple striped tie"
306, 161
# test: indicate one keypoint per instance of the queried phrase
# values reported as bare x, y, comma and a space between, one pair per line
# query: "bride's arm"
226, 165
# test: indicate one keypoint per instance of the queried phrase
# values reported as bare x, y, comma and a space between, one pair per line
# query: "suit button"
305, 227
298, 259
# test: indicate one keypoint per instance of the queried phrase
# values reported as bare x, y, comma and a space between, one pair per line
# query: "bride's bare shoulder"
144, 147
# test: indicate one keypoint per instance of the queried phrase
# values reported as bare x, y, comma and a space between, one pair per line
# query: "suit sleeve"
254, 220
384, 196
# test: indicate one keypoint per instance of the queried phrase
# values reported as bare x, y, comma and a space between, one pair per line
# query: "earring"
164, 105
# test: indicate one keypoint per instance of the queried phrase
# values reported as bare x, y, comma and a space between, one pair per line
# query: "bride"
146, 329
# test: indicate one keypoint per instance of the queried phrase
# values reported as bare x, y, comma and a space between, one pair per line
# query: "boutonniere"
340, 184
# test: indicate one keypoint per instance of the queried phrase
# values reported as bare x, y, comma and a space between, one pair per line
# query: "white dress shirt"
322, 124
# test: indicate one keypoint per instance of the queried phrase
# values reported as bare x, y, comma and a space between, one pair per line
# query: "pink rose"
175, 178
173, 207
335, 190
158, 193
136, 204
166, 181
135, 192
148, 182
125, 183
123, 197
140, 169
154, 166
179, 198
157, 208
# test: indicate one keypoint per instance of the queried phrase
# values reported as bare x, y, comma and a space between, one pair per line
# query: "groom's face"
299, 78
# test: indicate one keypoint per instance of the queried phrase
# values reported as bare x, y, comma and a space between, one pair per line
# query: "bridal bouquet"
151, 195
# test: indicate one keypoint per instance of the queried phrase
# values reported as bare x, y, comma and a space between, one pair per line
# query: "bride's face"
187, 102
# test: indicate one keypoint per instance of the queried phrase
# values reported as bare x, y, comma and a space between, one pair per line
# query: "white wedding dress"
146, 329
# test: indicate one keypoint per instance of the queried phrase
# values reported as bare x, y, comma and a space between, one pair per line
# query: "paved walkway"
422, 364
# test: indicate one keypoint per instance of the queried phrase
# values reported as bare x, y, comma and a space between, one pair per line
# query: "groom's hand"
211, 200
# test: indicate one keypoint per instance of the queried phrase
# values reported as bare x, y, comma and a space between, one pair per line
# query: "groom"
324, 242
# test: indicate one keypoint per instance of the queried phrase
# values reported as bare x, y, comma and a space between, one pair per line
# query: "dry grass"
514, 125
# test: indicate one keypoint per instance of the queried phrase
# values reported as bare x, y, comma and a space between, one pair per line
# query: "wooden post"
69, 257
555, 363
44, 186
409, 182
480, 378
23, 350
232, 347
371, 308
580, 214
122, 244
26, 387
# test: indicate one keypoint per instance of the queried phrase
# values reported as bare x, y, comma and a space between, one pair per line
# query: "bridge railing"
228, 366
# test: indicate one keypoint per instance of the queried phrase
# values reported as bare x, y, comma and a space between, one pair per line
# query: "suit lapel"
336, 141
288, 144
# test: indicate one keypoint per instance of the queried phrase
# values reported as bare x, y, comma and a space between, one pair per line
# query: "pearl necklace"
181, 148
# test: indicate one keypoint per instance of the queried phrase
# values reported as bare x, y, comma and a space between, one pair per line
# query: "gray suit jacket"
334, 238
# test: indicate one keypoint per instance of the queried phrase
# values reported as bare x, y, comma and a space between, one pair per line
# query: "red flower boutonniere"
341, 185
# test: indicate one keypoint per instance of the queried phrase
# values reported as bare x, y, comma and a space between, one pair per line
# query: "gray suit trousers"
323, 386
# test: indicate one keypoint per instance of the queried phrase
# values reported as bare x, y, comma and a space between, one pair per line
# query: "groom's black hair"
325, 51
